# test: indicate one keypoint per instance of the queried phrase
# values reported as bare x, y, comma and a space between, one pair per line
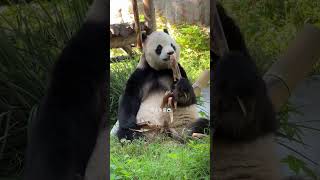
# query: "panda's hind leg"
201, 125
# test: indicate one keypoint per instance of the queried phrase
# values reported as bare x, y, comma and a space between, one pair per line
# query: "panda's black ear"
144, 36
166, 31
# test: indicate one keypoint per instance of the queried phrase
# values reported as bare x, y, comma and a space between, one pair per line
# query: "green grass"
160, 159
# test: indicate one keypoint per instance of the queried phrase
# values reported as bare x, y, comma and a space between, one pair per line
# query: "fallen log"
122, 35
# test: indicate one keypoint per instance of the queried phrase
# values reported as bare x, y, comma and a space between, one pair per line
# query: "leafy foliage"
297, 165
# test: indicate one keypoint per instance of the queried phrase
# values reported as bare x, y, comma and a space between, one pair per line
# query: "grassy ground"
161, 159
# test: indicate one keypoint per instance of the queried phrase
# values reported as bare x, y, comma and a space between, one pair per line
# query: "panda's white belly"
150, 111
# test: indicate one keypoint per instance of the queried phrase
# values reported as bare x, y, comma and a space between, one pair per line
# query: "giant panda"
244, 120
147, 86
71, 116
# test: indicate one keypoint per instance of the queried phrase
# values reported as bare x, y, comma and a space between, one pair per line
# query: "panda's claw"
175, 104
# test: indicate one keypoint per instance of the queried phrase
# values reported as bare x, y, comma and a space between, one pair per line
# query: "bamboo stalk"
293, 66
149, 14
219, 42
137, 24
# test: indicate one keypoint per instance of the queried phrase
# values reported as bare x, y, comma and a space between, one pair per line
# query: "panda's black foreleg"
129, 105
127, 110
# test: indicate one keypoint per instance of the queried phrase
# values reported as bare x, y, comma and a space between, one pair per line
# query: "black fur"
201, 125
166, 31
236, 75
131, 99
144, 36
64, 132
183, 93
232, 33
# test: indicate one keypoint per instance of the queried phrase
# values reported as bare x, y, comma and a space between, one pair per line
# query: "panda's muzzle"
170, 53
168, 57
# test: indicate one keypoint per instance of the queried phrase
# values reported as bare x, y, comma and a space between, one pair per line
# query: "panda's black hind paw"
129, 134
201, 125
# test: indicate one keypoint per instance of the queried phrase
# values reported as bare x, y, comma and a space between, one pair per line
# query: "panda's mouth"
166, 59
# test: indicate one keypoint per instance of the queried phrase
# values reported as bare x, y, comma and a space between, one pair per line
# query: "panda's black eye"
174, 48
159, 49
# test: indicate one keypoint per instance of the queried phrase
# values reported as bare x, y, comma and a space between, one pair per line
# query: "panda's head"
157, 47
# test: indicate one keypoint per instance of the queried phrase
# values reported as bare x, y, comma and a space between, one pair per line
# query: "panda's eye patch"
159, 49
174, 48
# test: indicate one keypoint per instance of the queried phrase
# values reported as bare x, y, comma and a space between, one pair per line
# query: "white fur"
150, 45
150, 111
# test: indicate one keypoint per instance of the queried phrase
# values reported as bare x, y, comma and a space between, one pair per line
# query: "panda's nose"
170, 53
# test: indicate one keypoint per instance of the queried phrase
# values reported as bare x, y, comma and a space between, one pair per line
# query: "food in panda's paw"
146, 126
168, 102
169, 110
175, 67
165, 99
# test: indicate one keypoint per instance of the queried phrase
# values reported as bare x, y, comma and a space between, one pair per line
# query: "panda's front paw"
129, 134
183, 93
